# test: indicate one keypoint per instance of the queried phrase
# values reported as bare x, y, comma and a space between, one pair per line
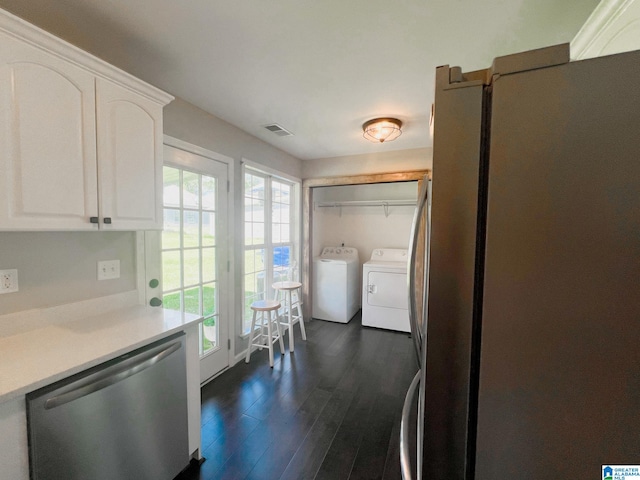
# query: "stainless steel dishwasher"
124, 419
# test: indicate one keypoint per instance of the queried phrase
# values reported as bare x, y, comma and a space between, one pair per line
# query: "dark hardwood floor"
330, 410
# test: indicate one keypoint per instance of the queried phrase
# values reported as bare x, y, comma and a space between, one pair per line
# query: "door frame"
148, 251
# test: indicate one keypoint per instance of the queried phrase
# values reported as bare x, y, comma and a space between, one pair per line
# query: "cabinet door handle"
107, 220
93, 219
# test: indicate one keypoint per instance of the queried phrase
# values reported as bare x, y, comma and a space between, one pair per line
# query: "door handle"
419, 333
405, 458
416, 331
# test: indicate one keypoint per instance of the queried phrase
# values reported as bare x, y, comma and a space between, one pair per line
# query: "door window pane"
171, 187
192, 301
172, 301
210, 333
208, 193
191, 267
190, 228
190, 190
209, 299
189, 260
171, 231
171, 268
208, 264
208, 229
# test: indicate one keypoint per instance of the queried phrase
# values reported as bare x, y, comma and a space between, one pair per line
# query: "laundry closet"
367, 218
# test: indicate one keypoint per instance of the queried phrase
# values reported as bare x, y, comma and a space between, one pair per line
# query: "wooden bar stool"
292, 299
268, 310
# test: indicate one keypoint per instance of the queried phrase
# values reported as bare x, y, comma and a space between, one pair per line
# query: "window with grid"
189, 248
268, 236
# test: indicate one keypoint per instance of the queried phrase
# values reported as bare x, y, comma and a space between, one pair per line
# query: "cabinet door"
47, 141
129, 159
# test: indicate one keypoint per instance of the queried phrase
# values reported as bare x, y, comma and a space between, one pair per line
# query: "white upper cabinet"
129, 143
48, 141
80, 141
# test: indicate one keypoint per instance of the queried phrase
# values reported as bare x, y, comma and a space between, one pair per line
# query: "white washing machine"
385, 302
335, 287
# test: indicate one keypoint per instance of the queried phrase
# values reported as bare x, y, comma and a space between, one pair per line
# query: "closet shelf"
367, 203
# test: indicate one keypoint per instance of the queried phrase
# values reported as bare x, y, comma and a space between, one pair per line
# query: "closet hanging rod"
367, 203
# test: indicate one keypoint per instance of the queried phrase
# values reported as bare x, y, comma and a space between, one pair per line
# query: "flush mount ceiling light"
381, 130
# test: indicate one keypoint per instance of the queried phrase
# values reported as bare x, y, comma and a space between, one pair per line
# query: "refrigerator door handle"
416, 328
405, 457
418, 331
422, 327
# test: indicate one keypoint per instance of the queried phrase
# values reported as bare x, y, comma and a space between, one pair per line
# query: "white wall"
187, 122
61, 267
364, 228
387, 162
613, 27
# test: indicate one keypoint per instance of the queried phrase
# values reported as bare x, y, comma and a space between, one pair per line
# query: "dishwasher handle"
113, 374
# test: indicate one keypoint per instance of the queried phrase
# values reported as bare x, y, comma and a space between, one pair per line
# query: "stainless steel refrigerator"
529, 347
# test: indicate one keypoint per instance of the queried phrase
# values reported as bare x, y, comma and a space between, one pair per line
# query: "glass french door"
194, 250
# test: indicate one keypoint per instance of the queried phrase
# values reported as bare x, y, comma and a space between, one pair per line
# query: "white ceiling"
319, 68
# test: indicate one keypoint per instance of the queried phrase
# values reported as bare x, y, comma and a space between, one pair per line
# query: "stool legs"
279, 328
301, 320
251, 336
287, 296
270, 337
289, 305
270, 322
260, 338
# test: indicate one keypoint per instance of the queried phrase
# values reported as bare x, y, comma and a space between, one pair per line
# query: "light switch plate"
8, 281
108, 269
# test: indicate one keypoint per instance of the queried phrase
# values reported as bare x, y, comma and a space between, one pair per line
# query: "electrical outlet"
108, 269
8, 281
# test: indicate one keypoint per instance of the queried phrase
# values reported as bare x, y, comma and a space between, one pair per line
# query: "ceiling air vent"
278, 130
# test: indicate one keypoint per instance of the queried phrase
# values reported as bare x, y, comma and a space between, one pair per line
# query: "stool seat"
265, 305
287, 285
258, 337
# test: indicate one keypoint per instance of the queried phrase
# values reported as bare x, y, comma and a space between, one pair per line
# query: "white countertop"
35, 358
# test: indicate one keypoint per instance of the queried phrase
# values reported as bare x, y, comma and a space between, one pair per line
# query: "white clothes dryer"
335, 284
385, 302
